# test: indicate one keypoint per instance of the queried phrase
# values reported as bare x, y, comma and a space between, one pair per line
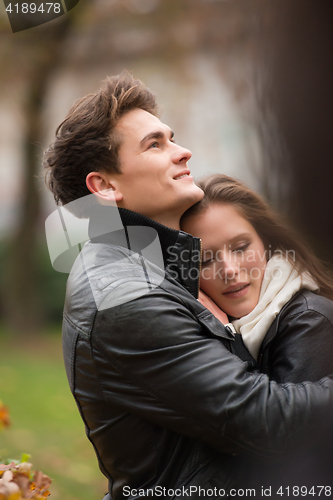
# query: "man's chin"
196, 195
201, 194
193, 197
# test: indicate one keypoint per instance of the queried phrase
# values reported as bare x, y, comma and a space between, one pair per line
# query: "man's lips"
184, 173
236, 291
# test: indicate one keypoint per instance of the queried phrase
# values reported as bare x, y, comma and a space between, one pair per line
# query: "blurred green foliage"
45, 420
51, 284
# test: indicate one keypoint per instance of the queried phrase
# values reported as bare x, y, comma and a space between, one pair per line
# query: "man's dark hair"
85, 141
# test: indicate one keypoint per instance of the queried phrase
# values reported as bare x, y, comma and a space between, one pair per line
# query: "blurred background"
245, 84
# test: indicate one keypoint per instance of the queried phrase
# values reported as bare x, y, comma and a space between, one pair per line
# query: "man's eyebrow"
156, 135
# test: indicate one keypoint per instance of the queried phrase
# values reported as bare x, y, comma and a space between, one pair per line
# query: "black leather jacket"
165, 404
297, 347
299, 344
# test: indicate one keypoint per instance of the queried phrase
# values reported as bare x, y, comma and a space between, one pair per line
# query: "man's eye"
153, 145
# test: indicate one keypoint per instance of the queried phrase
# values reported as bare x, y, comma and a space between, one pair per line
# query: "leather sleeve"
303, 348
154, 359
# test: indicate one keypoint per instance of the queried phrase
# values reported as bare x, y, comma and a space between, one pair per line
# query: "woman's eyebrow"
239, 236
213, 247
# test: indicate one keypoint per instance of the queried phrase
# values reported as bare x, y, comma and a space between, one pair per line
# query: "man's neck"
172, 223
170, 219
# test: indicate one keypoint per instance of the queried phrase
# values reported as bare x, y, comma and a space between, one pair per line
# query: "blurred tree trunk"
299, 63
23, 310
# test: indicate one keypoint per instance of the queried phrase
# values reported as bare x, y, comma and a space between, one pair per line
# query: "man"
166, 406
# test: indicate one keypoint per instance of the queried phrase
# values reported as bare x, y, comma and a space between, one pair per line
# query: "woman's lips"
237, 291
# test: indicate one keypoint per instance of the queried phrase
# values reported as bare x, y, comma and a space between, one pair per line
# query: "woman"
276, 293
259, 272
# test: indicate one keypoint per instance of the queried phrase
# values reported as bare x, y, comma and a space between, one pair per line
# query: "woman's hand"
213, 308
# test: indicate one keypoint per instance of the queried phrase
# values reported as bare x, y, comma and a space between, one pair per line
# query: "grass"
45, 419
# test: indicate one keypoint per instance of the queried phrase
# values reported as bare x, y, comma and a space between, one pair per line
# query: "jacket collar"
181, 251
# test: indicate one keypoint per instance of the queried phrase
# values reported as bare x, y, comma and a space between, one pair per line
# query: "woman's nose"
230, 268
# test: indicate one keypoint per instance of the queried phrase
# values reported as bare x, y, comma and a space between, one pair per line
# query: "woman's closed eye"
206, 262
207, 257
242, 248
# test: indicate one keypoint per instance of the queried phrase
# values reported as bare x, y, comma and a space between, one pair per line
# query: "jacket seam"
100, 382
78, 329
280, 318
202, 314
310, 309
105, 470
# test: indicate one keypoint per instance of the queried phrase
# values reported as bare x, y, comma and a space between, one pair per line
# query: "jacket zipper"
230, 328
200, 246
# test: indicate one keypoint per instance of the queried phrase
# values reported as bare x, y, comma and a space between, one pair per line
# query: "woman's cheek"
207, 283
205, 274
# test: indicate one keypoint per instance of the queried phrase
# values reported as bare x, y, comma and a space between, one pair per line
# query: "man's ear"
100, 184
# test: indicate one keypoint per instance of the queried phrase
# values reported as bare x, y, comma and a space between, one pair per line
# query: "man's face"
155, 180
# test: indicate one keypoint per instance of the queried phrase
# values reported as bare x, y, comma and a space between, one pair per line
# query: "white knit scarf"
280, 282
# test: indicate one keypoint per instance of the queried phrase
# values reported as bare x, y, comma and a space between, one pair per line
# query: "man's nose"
180, 154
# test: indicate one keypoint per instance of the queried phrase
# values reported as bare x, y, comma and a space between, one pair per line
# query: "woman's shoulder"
299, 346
306, 300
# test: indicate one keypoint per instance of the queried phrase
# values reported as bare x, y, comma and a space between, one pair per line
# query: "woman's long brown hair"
271, 227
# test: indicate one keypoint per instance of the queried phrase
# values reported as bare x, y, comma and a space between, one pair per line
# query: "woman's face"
233, 258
